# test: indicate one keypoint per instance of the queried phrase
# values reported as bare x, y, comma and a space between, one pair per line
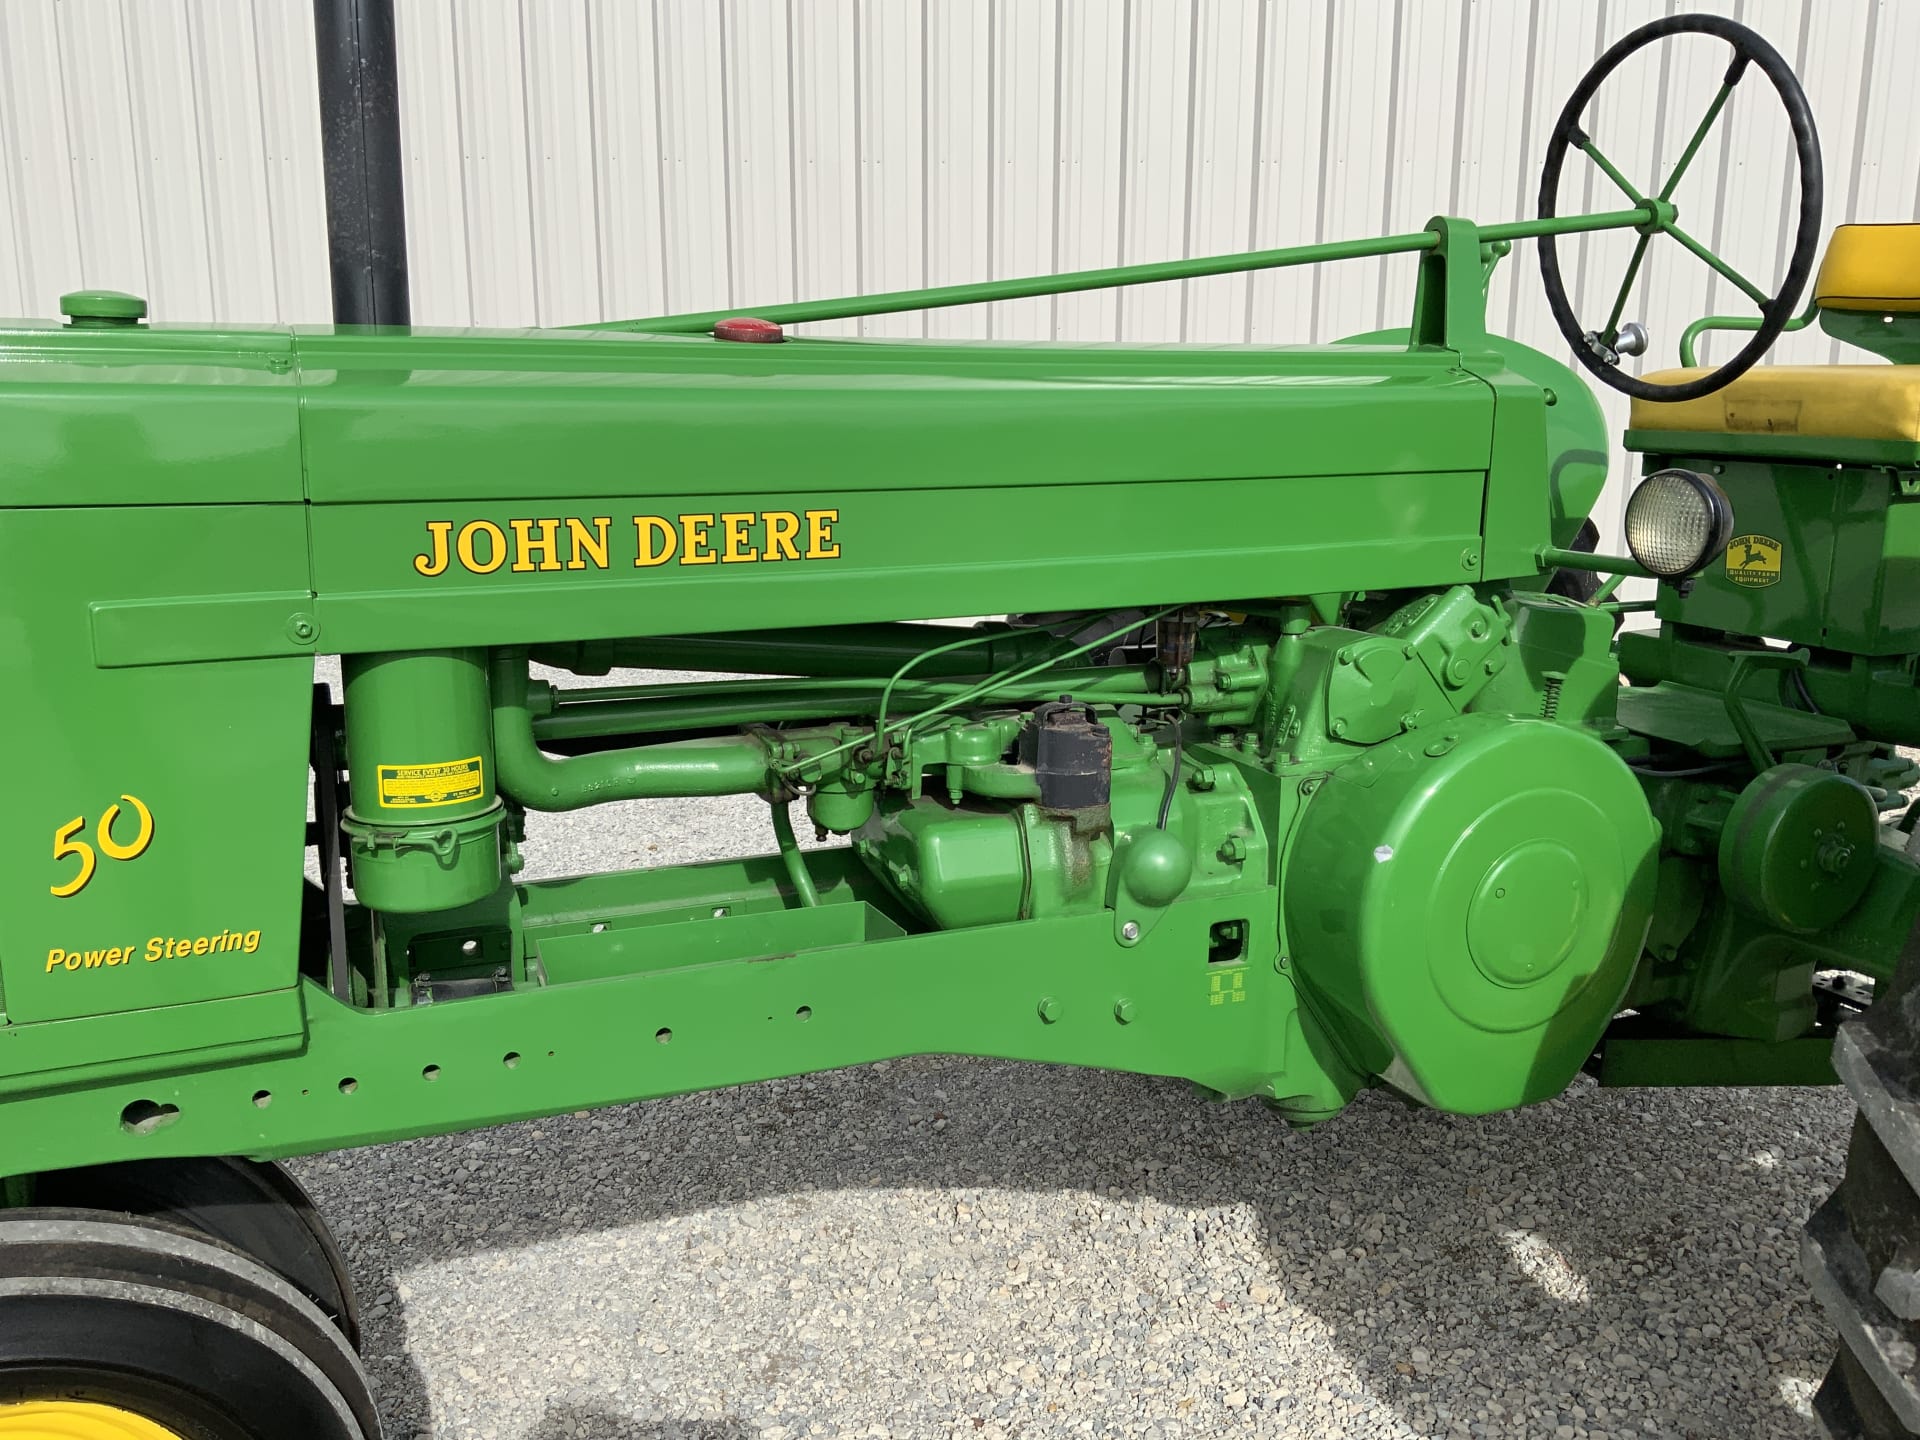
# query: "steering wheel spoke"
1600, 350
1612, 330
1610, 170
1699, 135
1739, 281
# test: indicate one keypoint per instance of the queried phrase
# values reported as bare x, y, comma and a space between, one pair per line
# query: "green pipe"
644, 709
939, 297
722, 766
544, 699
1569, 224
950, 648
845, 651
796, 863
1737, 322
1552, 557
1289, 650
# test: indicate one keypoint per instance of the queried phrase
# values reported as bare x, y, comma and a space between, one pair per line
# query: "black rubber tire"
1861, 1249
1749, 48
253, 1205
172, 1325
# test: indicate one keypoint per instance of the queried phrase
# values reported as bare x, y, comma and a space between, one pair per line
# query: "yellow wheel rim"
77, 1420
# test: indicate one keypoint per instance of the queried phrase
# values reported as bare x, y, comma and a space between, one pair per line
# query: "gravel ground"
948, 1247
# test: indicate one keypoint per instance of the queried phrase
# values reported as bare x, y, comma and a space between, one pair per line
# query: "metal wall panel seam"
1799, 63
593, 167
209, 179
1255, 153
1522, 193
1059, 92
528, 130
1325, 150
1391, 146
1186, 190
730, 263
1859, 131
660, 163
11, 240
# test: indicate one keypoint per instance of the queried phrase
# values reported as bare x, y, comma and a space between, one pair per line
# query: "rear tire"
1861, 1250
157, 1322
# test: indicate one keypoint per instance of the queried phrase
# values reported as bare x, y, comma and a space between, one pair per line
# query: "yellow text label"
69, 844
559, 543
155, 947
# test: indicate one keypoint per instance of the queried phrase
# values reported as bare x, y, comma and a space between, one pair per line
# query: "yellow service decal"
1753, 561
420, 787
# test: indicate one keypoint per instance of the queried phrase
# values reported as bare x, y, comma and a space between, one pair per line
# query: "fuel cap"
102, 308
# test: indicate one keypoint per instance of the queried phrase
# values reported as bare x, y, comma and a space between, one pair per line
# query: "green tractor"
1310, 758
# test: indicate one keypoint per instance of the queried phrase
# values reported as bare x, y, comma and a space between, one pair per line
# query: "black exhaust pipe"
360, 145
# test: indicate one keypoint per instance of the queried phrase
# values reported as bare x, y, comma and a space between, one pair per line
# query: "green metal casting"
1303, 761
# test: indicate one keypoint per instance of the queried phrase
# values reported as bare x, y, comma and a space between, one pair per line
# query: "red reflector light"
749, 329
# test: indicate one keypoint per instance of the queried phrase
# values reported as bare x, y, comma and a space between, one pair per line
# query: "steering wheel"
1600, 350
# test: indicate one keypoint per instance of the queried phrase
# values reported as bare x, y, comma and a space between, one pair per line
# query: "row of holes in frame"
143, 1116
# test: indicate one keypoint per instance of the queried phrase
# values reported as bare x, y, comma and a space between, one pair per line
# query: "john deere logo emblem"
1754, 561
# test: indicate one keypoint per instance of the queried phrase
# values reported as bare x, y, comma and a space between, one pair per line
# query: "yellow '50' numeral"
66, 842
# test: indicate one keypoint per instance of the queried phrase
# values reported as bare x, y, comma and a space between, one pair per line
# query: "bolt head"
1123, 1011
1049, 1010
1130, 931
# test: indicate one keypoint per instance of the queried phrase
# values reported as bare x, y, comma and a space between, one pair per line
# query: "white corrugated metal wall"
575, 159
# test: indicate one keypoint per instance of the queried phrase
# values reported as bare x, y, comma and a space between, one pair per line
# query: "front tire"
154, 1325
253, 1205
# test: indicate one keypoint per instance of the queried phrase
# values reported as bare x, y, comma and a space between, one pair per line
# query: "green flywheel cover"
1466, 906
1798, 846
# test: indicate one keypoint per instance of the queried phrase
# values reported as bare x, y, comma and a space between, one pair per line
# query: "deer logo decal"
1753, 561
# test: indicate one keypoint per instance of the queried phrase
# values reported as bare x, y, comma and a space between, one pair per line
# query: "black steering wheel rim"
1749, 48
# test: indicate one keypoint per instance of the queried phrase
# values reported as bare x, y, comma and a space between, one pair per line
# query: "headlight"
1677, 521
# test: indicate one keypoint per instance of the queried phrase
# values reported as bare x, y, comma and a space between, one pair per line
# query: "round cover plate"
1471, 919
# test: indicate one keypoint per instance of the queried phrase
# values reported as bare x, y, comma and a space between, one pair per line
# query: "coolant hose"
724, 765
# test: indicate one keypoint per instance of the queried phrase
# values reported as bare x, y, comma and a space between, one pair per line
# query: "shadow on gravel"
1617, 1262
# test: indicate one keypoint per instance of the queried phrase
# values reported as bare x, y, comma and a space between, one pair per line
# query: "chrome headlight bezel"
1699, 511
